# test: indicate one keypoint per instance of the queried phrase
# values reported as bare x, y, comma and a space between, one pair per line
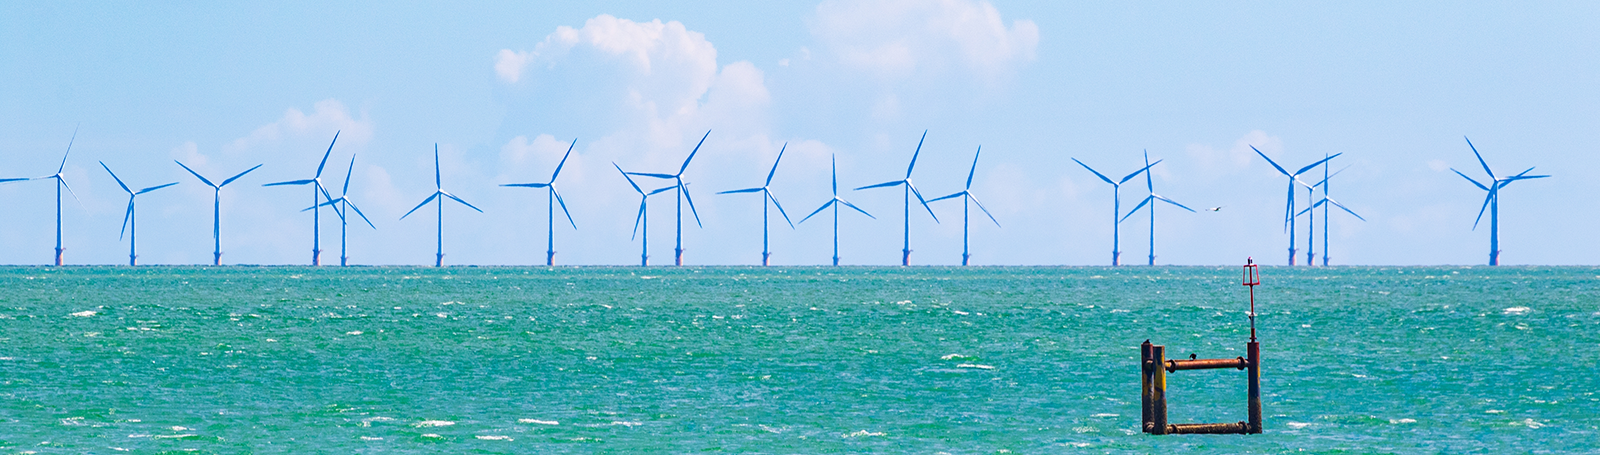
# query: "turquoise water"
792, 360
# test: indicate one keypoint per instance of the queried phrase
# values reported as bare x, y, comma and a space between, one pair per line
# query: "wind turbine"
1151, 199
905, 251
1288, 211
1116, 207
61, 182
438, 185
343, 207
1492, 201
216, 208
130, 223
835, 203
966, 196
766, 195
643, 216
683, 194
552, 198
1325, 202
316, 213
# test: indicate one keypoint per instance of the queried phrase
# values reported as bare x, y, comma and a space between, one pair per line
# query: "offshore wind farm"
164, 302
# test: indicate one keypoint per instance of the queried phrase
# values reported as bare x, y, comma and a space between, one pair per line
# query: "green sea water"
789, 360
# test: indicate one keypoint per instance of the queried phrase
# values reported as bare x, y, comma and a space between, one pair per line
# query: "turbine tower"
552, 197
1492, 201
342, 206
835, 203
1151, 200
1326, 202
130, 224
766, 195
1116, 207
316, 190
216, 208
61, 182
1294, 178
683, 194
966, 197
643, 218
438, 190
905, 251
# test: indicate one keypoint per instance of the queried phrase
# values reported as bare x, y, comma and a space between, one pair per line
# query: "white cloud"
326, 117
509, 64
895, 39
1212, 160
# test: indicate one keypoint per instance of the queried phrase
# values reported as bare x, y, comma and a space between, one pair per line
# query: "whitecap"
85, 313
371, 438
537, 421
353, 332
626, 424
954, 356
433, 423
1530, 423
1516, 311
1106, 414
1298, 425
974, 365
1494, 411
432, 436
1400, 421
862, 433
494, 437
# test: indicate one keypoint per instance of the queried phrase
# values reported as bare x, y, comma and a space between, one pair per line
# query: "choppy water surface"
1407, 360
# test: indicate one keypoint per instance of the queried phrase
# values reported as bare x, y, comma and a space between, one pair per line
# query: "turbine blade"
1136, 208
692, 153
1269, 161
424, 202
324, 191
63, 182
1149, 183
526, 185
1485, 206
438, 182
1169, 201
915, 154
924, 202
1480, 158
1345, 209
659, 176
833, 164
1096, 173
858, 209
625, 175
14, 180
246, 171
746, 190
125, 216
819, 210
291, 182
153, 188
985, 210
685, 189
636, 219
1141, 170
347, 173
1318, 163
452, 196
881, 185
774, 170
780, 209
974, 169
941, 198
328, 153
114, 176
661, 190
69, 150
358, 212
1469, 179
563, 162
564, 207
196, 174
332, 202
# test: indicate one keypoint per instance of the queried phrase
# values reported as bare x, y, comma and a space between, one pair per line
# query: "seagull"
1216, 209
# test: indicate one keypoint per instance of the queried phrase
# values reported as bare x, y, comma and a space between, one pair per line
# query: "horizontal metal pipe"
1204, 364
1207, 428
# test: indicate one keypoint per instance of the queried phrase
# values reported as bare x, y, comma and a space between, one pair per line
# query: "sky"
503, 90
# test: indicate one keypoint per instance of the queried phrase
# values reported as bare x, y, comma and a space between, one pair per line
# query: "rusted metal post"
1254, 350
1158, 391
1206, 364
1146, 364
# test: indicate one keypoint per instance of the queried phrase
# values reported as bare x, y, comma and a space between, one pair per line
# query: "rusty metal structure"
1155, 366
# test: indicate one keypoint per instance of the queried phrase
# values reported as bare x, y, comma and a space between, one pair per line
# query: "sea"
790, 359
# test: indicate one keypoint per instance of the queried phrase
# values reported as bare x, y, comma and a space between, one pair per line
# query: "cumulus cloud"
326, 117
1237, 156
895, 39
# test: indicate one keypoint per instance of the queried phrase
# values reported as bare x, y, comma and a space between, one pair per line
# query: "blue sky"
503, 89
